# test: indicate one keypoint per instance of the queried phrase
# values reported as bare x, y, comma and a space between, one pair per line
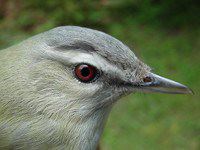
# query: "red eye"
86, 73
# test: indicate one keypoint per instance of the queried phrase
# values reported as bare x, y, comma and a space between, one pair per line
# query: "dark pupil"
85, 72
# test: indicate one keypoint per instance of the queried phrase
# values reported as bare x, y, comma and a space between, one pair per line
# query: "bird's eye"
86, 73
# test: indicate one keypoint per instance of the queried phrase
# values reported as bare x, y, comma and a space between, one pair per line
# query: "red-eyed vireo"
57, 88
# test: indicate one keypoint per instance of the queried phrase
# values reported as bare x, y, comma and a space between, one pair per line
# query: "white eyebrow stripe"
75, 57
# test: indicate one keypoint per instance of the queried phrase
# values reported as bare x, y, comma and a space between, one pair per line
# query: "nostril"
147, 79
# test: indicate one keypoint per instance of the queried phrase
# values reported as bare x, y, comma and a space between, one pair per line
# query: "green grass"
153, 121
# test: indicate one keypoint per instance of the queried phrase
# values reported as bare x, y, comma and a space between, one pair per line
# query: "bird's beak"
156, 83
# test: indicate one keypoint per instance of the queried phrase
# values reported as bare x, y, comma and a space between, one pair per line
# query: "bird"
58, 88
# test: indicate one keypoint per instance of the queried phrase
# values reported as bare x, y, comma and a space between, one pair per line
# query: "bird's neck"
86, 133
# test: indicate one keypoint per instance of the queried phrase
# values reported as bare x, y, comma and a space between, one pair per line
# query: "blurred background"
164, 34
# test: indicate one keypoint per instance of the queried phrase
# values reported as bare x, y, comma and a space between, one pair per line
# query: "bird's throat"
86, 134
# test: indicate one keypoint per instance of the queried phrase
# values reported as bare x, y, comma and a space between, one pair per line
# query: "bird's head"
88, 70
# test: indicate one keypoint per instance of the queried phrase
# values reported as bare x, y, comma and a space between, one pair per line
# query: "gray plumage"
43, 106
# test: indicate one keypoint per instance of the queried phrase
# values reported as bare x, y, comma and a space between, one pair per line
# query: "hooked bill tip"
190, 91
